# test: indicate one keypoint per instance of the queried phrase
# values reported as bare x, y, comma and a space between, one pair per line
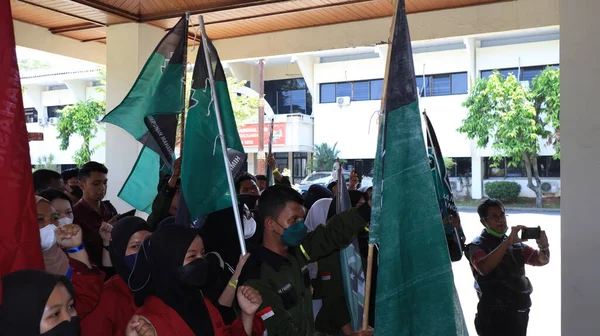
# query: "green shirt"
284, 283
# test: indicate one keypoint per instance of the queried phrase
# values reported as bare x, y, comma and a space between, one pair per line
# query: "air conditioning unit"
454, 185
525, 84
550, 187
41, 121
53, 121
343, 101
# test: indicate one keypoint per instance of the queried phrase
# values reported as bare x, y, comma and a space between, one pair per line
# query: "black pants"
501, 322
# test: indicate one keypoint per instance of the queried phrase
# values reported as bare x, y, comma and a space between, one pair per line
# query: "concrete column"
307, 68
128, 46
34, 95
579, 48
77, 87
476, 160
245, 71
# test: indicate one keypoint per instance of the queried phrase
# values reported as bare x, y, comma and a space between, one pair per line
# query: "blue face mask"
130, 261
293, 235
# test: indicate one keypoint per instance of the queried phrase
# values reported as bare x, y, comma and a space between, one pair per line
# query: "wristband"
76, 249
276, 171
234, 285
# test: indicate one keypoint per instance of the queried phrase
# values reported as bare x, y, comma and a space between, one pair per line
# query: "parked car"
323, 177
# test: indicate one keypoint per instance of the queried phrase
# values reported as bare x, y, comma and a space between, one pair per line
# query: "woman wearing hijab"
64, 254
36, 302
117, 304
176, 272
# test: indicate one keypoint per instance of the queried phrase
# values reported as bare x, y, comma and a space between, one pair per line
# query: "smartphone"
531, 233
358, 168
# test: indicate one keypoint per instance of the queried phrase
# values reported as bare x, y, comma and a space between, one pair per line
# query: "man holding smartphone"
498, 265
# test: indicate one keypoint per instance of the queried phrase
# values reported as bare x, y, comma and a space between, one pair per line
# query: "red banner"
249, 134
20, 239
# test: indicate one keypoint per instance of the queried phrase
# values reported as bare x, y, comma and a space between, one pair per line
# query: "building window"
547, 167
357, 90
282, 161
31, 115
299, 167
442, 84
462, 167
288, 96
53, 111
97, 83
57, 87
523, 74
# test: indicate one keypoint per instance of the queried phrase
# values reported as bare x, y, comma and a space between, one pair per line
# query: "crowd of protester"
118, 274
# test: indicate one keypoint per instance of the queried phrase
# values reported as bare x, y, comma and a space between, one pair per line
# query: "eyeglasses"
498, 217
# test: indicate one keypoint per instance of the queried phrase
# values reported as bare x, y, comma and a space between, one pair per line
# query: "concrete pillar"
34, 95
580, 136
77, 88
245, 71
307, 68
128, 46
476, 160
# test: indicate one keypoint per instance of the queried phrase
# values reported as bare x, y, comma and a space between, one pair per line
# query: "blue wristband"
76, 249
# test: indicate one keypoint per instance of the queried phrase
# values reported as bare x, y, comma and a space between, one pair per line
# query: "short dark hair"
273, 200
331, 185
261, 177
52, 194
243, 177
70, 173
486, 204
42, 179
87, 169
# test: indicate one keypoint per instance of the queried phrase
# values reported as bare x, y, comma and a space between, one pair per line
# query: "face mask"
249, 223
76, 191
65, 328
494, 233
195, 273
130, 261
293, 235
47, 236
65, 221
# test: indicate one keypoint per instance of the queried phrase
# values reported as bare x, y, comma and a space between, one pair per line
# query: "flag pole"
365, 321
211, 79
184, 110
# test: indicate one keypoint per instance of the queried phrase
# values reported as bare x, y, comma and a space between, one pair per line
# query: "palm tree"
324, 157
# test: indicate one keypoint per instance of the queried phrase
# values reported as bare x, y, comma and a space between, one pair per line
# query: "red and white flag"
20, 237
266, 313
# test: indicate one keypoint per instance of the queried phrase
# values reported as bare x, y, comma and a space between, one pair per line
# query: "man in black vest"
498, 265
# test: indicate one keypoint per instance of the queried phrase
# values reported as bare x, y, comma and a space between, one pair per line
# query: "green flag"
415, 286
149, 113
203, 172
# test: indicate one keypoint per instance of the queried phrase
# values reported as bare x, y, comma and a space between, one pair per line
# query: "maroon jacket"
87, 284
90, 221
114, 311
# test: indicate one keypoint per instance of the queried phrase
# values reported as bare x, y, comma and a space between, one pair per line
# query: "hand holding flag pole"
238, 220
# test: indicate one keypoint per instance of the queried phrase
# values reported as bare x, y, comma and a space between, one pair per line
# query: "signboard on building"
35, 136
249, 134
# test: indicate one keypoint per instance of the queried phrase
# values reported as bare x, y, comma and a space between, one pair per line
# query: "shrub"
504, 191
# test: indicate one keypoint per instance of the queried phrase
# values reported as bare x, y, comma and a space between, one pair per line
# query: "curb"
515, 210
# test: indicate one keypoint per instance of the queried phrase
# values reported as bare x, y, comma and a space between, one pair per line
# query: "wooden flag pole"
365, 322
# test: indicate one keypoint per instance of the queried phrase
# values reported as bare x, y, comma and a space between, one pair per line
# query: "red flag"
19, 233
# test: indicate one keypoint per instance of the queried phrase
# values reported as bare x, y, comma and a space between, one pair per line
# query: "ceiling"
86, 20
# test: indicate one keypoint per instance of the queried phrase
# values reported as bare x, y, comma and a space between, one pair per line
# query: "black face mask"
65, 328
195, 274
76, 191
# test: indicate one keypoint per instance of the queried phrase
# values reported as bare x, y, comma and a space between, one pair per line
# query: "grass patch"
522, 202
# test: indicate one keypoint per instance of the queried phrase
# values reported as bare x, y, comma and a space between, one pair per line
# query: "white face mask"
248, 222
65, 221
47, 236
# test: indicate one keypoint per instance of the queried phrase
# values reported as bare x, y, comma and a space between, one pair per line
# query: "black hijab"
121, 233
25, 294
315, 192
164, 253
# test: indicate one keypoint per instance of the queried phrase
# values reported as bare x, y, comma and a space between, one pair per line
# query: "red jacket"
166, 321
87, 284
114, 311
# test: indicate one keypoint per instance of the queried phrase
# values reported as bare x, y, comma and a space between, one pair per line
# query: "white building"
47, 91
346, 87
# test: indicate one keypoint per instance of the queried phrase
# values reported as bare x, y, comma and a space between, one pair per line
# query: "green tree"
26, 64
80, 119
512, 119
46, 162
324, 157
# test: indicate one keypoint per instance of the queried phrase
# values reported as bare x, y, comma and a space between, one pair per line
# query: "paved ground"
545, 313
